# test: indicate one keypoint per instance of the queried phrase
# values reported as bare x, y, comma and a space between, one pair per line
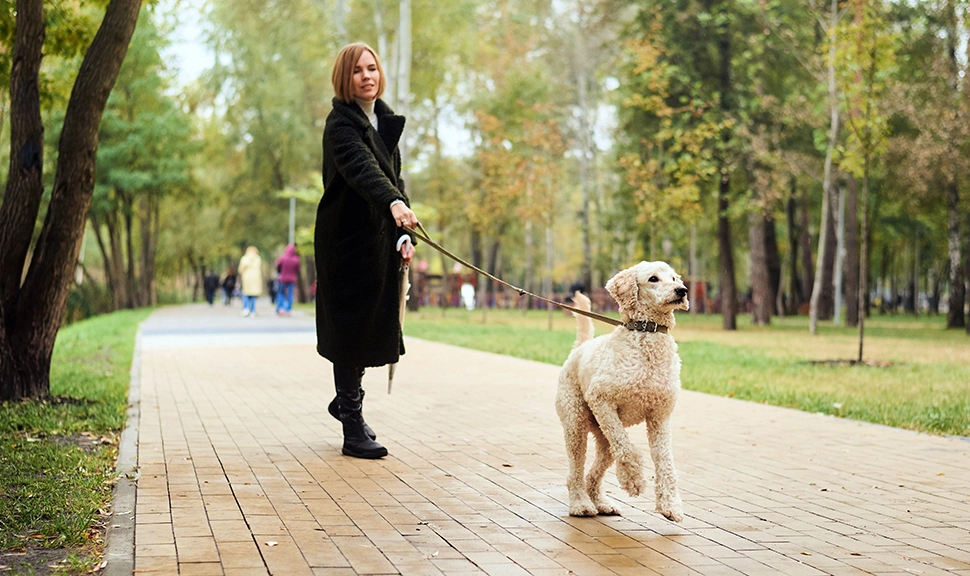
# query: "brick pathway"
241, 473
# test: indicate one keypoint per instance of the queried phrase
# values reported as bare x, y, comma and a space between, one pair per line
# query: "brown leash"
646, 326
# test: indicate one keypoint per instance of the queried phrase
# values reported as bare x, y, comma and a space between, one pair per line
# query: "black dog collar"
646, 326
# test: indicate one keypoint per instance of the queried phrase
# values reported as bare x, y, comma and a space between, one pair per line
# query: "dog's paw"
607, 508
583, 509
671, 509
629, 473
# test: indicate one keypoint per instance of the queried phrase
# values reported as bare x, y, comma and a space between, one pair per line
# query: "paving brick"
236, 453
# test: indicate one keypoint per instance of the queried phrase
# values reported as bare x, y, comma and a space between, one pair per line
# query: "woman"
359, 243
288, 265
251, 276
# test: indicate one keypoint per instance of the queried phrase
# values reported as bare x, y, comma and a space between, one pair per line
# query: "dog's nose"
681, 292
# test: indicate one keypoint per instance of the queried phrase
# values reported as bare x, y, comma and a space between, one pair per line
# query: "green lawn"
57, 455
918, 376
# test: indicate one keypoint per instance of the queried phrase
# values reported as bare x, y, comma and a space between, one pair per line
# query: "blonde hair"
342, 76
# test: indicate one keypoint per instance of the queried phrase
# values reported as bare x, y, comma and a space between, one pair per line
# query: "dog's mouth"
677, 301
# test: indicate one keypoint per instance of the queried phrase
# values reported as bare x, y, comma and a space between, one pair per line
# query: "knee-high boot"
334, 409
350, 398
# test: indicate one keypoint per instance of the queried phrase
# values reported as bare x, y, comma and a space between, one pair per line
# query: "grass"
57, 454
919, 380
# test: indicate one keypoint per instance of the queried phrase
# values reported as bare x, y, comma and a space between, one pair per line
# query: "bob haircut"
342, 76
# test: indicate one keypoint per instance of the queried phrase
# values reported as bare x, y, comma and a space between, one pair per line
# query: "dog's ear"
623, 287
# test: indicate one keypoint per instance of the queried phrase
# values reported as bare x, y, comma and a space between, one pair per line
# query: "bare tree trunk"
805, 242
839, 259
761, 302
728, 289
692, 273
773, 261
529, 283
833, 97
148, 226
119, 292
585, 148
954, 316
547, 286
27, 334
794, 286
21, 200
96, 226
131, 285
852, 254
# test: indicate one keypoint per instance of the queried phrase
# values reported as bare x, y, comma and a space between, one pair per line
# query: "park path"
241, 473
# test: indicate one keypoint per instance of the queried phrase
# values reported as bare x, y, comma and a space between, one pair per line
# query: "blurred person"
251, 278
210, 284
360, 243
228, 286
288, 265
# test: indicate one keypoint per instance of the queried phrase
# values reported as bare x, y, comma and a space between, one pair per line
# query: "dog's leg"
629, 461
668, 498
576, 429
594, 478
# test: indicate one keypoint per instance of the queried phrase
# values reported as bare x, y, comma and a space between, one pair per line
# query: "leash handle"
423, 235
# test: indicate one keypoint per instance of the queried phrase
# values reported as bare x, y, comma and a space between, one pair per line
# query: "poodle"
629, 376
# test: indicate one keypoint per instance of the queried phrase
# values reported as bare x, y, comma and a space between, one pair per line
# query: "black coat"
358, 269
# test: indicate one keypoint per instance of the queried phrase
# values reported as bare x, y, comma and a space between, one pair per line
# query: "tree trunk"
794, 285
773, 261
28, 334
826, 302
96, 226
816, 309
954, 316
805, 243
852, 254
21, 200
838, 264
728, 288
131, 285
148, 226
761, 302
119, 292
529, 283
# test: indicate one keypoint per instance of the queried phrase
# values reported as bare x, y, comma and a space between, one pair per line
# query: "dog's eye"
654, 279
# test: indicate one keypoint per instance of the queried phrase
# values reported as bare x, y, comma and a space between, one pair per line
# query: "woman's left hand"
407, 252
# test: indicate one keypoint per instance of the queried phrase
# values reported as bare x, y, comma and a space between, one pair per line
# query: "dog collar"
646, 326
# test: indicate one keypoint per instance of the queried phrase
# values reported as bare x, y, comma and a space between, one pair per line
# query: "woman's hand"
403, 216
407, 252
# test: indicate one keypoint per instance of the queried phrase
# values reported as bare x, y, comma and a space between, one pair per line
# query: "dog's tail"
584, 324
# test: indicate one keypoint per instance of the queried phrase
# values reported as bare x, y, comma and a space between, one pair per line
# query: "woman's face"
366, 77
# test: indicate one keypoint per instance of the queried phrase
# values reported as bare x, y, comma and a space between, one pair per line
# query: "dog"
621, 379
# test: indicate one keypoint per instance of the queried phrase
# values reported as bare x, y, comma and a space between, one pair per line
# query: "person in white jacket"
251, 276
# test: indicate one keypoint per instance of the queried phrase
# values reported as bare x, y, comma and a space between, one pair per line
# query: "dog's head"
648, 289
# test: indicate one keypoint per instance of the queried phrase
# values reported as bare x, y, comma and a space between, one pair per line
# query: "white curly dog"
629, 376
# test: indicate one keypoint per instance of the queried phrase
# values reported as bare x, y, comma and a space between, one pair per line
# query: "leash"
640, 326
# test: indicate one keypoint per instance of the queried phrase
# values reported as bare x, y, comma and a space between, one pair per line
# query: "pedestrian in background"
360, 243
288, 265
251, 277
210, 284
228, 286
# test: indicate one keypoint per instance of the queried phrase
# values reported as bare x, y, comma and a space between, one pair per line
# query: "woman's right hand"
403, 216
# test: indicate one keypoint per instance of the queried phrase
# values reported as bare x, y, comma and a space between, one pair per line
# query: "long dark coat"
358, 269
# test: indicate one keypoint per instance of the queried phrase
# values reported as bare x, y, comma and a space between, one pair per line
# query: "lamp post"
292, 236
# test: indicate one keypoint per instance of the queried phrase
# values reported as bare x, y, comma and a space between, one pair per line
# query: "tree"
31, 311
867, 58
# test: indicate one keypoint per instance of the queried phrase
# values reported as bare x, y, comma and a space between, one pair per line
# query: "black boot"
333, 409
357, 442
